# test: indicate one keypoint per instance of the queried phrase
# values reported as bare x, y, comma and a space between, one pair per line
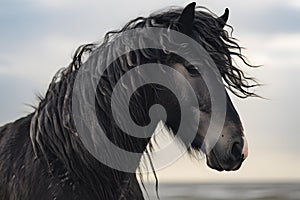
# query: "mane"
218, 42
52, 127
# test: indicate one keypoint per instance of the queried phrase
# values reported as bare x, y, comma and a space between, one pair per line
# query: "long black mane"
53, 133
222, 47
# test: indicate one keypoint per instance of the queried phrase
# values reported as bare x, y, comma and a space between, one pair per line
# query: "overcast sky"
39, 36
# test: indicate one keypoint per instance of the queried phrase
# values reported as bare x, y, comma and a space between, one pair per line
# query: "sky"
39, 37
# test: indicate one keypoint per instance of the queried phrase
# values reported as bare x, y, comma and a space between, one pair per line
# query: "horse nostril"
236, 151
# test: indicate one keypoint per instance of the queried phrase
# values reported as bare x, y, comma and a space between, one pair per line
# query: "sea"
224, 191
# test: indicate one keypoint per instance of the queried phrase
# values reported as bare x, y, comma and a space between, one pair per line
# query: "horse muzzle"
228, 159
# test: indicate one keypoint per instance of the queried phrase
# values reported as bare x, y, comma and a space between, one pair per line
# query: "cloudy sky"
39, 36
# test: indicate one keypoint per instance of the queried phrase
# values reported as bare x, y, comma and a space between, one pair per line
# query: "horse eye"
193, 71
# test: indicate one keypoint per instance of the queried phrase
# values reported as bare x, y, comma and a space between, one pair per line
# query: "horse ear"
187, 18
223, 19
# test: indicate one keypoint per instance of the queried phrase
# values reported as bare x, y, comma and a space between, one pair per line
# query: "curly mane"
53, 115
218, 42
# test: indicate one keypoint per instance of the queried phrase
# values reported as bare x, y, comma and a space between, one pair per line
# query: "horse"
43, 155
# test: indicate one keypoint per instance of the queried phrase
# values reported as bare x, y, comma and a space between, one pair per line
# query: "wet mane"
53, 115
218, 42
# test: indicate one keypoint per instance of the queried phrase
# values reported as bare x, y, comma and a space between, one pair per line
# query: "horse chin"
213, 162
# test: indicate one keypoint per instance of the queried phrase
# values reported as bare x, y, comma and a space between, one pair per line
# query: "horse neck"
123, 138
55, 141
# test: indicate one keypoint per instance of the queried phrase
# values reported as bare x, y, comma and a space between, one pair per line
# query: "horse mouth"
214, 163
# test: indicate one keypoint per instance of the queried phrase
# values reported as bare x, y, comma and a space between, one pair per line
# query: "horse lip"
217, 166
236, 167
213, 162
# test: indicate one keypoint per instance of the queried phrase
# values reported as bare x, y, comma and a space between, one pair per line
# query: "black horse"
42, 155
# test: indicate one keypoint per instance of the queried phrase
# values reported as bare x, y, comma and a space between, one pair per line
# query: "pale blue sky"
39, 37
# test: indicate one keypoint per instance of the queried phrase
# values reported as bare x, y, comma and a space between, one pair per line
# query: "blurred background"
39, 36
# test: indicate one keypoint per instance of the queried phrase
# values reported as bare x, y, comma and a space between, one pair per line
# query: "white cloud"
277, 50
294, 3
41, 58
